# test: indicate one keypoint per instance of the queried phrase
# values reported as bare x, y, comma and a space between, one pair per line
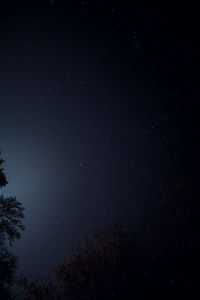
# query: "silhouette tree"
100, 268
11, 216
3, 180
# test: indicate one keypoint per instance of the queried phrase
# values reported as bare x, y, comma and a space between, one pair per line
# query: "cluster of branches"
101, 267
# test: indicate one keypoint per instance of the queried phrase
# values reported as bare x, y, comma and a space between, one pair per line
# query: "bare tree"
99, 268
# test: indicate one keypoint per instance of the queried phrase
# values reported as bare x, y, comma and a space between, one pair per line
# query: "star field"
98, 108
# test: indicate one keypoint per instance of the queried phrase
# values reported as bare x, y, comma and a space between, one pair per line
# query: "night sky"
99, 106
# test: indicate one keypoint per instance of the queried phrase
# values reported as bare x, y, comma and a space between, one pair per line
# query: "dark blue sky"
98, 108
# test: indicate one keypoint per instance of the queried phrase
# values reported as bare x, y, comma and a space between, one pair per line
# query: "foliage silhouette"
11, 216
3, 180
